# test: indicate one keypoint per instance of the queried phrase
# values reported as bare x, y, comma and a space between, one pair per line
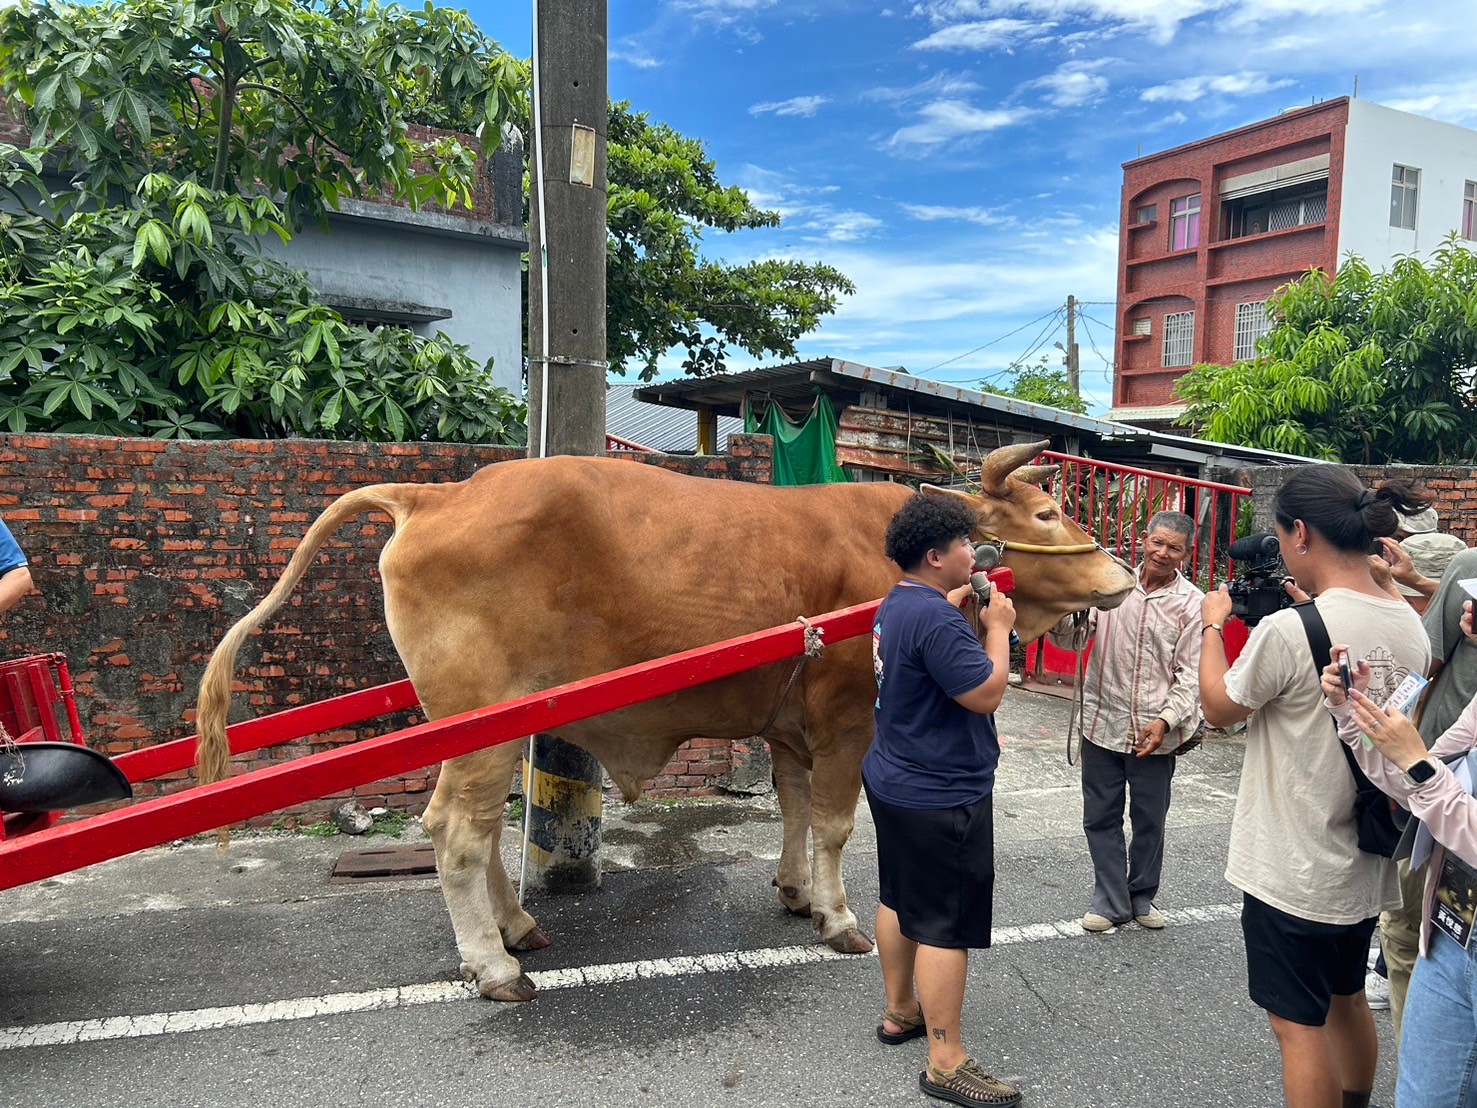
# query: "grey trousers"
1125, 878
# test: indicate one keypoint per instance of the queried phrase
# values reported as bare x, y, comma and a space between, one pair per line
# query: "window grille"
1251, 324
1179, 338
1405, 186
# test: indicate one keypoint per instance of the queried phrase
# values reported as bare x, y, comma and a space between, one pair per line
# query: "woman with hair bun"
1311, 897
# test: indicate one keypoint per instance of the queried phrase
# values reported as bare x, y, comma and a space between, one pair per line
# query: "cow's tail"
212, 755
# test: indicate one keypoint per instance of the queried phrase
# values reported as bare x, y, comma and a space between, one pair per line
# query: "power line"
992, 342
1092, 342
1050, 329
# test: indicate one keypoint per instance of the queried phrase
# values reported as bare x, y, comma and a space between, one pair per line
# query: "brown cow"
533, 573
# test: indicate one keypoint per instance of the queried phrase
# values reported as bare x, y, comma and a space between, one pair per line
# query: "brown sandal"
913, 1027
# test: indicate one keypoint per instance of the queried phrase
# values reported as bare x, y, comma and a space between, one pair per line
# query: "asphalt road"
178, 977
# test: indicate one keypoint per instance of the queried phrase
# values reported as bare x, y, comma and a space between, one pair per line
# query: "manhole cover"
385, 863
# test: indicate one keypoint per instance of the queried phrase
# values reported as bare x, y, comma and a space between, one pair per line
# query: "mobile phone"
1345, 675
1469, 586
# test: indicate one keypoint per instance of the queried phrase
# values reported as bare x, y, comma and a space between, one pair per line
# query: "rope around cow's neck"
1034, 548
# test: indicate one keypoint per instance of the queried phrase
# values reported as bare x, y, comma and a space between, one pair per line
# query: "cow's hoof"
534, 939
850, 941
516, 991
797, 909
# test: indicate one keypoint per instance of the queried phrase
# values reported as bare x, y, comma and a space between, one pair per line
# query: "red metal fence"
1114, 503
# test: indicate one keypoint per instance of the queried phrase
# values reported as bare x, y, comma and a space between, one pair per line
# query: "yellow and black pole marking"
565, 804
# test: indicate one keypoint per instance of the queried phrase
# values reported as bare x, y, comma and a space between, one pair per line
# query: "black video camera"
1257, 591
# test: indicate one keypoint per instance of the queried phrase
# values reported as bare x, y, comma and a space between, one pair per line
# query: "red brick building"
1199, 251
1209, 229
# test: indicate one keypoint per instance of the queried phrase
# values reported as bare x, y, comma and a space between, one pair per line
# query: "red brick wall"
1216, 275
1455, 488
145, 552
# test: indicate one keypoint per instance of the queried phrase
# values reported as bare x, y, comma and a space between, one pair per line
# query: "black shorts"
936, 869
1295, 967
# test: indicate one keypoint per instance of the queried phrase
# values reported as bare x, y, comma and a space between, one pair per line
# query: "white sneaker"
1094, 922
1153, 919
1377, 991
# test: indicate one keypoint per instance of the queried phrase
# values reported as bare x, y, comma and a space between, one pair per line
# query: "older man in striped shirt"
1141, 702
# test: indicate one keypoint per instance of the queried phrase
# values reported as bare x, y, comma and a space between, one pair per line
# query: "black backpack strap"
1322, 649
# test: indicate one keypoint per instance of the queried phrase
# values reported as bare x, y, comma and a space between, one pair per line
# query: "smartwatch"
1422, 771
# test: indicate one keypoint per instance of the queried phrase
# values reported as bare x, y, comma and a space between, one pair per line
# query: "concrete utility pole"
566, 370
1073, 381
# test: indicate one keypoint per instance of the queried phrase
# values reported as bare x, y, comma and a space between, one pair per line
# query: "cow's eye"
1046, 515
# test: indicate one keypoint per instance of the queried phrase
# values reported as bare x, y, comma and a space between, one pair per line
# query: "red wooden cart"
35, 849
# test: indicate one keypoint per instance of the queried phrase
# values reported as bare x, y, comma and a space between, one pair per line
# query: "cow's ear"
935, 490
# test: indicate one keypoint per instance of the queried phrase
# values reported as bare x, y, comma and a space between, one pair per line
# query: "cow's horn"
1000, 463
1035, 475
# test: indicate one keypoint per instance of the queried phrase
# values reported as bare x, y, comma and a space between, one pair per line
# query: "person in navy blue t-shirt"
929, 777
15, 577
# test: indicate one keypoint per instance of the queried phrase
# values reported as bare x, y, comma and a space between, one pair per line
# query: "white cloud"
1452, 101
1160, 18
1073, 83
796, 105
990, 34
844, 226
942, 84
722, 7
1189, 89
984, 217
806, 212
633, 56
944, 120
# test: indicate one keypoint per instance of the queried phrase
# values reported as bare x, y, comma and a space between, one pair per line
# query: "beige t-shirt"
1294, 844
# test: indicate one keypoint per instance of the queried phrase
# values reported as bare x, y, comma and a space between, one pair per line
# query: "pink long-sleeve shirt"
1448, 810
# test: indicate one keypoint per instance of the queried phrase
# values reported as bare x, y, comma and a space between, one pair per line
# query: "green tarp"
804, 454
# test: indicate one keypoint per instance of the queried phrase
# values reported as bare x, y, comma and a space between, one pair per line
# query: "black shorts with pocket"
1295, 966
936, 870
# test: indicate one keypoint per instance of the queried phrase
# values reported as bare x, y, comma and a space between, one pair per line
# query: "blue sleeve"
10, 551
955, 658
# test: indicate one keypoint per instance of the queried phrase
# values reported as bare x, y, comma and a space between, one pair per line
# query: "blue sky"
960, 160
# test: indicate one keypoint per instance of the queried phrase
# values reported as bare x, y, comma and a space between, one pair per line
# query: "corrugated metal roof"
670, 430
795, 384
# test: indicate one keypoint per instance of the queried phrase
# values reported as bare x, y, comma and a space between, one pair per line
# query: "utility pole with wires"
1073, 376
566, 376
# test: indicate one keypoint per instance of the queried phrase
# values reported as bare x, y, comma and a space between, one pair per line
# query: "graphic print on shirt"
1385, 674
877, 659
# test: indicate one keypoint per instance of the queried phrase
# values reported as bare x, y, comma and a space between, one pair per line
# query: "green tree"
661, 293
663, 195
134, 301
1363, 367
1038, 384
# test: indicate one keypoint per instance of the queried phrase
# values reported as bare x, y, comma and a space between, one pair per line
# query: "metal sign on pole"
566, 378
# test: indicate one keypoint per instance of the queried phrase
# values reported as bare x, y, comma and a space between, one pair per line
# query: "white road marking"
440, 992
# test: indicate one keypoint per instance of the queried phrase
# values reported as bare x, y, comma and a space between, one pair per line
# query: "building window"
1184, 223
1142, 325
1252, 323
1146, 214
1179, 338
1404, 187
1469, 211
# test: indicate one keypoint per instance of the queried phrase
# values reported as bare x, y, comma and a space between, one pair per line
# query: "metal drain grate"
385, 863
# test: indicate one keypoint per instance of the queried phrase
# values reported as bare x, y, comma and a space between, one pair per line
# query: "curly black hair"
926, 523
